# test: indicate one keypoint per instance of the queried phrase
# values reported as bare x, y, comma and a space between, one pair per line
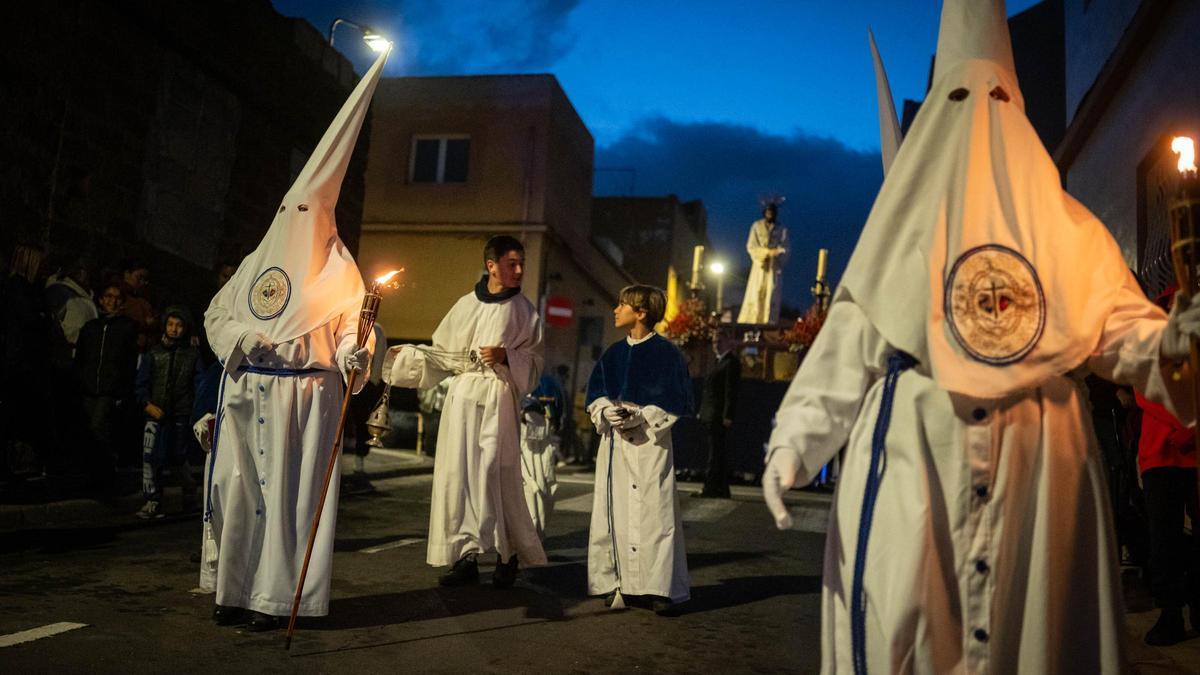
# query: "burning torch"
366, 324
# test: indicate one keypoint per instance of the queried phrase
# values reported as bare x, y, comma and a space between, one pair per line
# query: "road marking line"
391, 545
38, 633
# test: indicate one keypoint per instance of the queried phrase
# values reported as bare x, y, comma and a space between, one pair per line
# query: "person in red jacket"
1167, 461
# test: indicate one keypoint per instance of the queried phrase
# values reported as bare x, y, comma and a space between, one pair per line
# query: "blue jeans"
164, 444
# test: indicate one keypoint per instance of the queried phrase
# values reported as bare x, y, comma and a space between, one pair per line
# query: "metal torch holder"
1184, 212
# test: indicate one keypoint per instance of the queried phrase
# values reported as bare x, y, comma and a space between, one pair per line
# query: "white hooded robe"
991, 548
277, 413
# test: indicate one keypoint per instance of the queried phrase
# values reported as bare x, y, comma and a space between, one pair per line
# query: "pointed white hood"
889, 126
301, 276
973, 259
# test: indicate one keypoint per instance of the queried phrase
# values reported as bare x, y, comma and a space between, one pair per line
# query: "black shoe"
610, 598
260, 622
1168, 630
464, 572
506, 572
664, 607
227, 616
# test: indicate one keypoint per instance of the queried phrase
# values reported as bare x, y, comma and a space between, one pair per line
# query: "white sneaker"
149, 511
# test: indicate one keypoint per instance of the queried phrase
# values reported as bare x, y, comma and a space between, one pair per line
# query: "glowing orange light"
388, 277
1186, 149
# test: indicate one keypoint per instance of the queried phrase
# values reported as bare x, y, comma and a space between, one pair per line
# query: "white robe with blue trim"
992, 544
267, 467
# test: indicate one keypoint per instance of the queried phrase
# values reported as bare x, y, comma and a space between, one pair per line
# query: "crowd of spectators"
100, 367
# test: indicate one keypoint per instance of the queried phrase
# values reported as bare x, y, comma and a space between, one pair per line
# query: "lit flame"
388, 277
1186, 149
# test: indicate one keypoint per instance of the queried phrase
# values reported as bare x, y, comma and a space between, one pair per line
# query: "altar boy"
637, 391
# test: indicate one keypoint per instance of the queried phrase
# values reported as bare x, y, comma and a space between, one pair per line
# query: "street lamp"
374, 40
718, 270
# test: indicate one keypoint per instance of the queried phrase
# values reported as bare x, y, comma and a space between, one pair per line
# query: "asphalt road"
756, 595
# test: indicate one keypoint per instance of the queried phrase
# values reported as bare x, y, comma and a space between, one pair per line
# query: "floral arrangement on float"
691, 325
800, 336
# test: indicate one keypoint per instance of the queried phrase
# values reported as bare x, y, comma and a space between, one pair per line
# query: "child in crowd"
637, 391
166, 383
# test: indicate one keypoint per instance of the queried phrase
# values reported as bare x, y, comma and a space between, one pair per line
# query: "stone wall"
163, 130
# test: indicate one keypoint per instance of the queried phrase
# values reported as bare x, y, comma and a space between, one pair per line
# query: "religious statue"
768, 249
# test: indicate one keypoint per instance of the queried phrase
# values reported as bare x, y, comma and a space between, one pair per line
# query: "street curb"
120, 511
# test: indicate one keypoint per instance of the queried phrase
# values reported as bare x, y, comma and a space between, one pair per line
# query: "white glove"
634, 419
203, 431
253, 343
614, 415
353, 358
1182, 326
782, 467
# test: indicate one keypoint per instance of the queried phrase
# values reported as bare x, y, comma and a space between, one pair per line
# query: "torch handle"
366, 324
312, 535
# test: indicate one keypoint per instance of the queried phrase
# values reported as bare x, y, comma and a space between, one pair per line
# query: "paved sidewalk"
380, 464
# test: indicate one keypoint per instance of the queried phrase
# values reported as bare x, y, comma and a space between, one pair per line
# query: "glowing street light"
377, 42
718, 270
374, 40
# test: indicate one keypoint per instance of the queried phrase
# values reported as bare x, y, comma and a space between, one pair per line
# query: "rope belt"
282, 372
244, 368
897, 363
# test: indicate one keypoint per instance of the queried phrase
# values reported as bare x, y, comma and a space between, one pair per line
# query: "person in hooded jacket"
166, 385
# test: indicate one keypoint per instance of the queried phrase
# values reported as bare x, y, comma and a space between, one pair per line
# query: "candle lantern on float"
1184, 213
820, 289
697, 284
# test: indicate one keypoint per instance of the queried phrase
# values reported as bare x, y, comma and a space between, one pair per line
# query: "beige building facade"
456, 160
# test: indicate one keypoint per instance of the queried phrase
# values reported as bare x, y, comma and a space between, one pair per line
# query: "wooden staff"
1184, 212
366, 324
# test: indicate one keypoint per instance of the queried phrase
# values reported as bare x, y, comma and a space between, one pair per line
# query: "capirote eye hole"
959, 94
282, 209
302, 207
999, 94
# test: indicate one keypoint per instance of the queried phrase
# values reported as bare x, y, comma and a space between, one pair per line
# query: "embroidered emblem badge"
270, 293
994, 304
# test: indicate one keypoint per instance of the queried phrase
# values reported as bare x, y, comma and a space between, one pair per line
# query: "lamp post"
718, 270
374, 40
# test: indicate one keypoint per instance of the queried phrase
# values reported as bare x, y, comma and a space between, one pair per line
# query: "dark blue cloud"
829, 187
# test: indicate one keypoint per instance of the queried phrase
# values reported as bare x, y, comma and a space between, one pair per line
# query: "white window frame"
440, 176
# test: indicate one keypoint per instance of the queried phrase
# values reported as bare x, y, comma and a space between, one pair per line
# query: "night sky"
709, 99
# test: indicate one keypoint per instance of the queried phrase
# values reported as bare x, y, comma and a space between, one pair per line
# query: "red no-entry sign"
560, 311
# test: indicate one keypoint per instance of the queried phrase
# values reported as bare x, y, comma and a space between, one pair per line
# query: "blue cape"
650, 373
